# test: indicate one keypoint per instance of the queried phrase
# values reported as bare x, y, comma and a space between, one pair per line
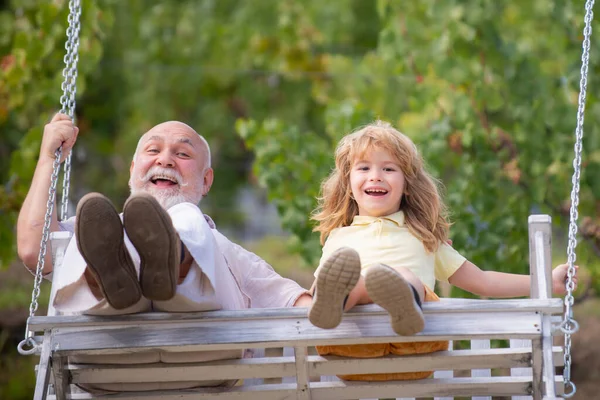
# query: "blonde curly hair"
424, 211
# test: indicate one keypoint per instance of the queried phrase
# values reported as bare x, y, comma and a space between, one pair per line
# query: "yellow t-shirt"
387, 240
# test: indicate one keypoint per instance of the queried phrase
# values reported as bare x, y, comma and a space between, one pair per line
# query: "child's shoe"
337, 277
387, 288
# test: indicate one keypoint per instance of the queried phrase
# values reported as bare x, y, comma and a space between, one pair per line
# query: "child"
385, 232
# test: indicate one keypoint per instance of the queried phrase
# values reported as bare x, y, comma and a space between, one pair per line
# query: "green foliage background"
487, 89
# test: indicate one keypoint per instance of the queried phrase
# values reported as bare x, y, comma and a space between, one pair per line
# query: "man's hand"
559, 276
60, 132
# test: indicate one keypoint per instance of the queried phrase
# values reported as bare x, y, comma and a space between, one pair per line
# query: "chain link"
569, 325
69, 87
67, 100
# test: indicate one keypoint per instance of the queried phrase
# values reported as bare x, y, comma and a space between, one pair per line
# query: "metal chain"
69, 87
569, 325
28, 345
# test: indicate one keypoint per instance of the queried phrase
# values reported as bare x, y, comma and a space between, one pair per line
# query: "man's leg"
101, 279
151, 231
208, 284
100, 240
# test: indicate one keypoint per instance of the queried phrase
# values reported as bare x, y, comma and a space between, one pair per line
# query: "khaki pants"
208, 286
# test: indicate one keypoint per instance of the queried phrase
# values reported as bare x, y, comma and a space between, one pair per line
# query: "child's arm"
499, 284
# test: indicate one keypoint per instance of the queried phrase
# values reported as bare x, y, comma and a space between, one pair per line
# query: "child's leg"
359, 294
411, 278
336, 279
391, 289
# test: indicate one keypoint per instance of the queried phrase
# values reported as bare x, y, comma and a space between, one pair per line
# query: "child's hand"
559, 276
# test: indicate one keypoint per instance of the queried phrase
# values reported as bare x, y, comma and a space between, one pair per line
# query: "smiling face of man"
172, 163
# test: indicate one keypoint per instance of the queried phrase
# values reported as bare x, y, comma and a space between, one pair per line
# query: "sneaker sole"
337, 277
151, 231
388, 289
99, 232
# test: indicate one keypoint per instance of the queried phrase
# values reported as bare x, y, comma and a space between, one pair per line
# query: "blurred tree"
490, 102
31, 64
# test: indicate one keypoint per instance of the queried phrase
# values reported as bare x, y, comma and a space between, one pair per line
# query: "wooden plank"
303, 391
462, 386
448, 374
250, 368
58, 245
540, 256
442, 361
537, 370
455, 387
518, 343
289, 352
548, 369
541, 281
495, 386
258, 368
43, 370
256, 353
61, 377
479, 372
281, 333
271, 353
445, 306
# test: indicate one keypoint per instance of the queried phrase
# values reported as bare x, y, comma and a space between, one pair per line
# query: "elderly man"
163, 254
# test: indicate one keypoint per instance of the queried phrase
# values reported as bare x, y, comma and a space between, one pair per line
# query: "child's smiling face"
377, 183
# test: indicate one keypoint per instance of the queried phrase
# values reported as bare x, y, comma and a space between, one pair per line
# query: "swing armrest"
58, 244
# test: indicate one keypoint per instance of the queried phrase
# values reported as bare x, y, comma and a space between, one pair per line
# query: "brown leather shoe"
99, 234
151, 231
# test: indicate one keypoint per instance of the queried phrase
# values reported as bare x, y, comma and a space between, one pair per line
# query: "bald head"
172, 163
185, 131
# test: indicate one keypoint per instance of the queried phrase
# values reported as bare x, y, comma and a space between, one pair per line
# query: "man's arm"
305, 300
59, 132
264, 287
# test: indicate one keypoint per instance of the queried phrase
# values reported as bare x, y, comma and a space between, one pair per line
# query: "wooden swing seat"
285, 365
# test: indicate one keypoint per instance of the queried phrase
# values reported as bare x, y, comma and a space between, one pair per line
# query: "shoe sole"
151, 231
99, 232
388, 289
337, 277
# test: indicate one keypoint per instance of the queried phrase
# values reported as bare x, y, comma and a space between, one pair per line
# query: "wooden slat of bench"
299, 332
454, 387
278, 367
302, 373
494, 386
446, 305
481, 372
43, 369
438, 361
448, 374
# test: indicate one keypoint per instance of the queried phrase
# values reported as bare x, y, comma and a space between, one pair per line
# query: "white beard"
167, 198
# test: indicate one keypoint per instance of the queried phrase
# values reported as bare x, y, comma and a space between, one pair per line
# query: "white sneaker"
387, 288
337, 277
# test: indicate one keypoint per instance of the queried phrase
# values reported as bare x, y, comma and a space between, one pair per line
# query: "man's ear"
131, 168
209, 176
